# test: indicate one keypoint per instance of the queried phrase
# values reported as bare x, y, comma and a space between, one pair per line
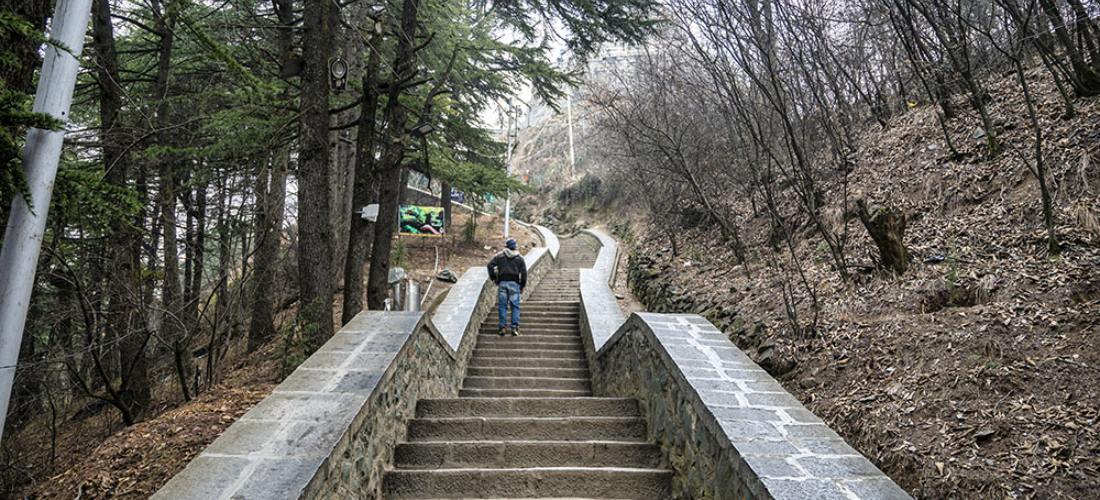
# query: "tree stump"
887, 228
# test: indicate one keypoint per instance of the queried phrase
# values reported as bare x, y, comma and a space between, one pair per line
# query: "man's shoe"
515, 331
503, 331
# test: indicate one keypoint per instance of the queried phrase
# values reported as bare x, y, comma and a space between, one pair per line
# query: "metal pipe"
26, 225
412, 296
508, 171
569, 115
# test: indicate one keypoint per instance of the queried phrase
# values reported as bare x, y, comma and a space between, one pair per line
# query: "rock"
978, 133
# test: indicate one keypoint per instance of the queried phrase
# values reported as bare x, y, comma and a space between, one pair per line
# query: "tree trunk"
887, 228
123, 247
1040, 170
271, 189
394, 150
1086, 79
445, 202
365, 189
315, 240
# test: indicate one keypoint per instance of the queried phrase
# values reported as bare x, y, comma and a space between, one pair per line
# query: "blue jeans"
508, 294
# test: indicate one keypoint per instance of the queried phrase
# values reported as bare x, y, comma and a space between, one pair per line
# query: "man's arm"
522, 273
492, 267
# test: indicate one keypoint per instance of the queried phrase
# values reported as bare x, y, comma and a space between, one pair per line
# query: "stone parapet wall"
727, 429
600, 310
549, 240
329, 429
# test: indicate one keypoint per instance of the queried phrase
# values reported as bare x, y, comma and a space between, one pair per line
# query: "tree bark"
315, 240
270, 194
393, 152
365, 188
123, 251
887, 228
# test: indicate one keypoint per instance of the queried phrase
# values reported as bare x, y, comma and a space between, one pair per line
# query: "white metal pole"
508, 171
26, 224
569, 116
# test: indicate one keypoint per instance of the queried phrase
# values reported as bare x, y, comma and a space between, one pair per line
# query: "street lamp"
512, 114
338, 74
422, 129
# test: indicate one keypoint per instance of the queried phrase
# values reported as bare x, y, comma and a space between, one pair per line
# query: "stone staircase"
578, 252
525, 424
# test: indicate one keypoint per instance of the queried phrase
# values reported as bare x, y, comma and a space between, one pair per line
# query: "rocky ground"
975, 374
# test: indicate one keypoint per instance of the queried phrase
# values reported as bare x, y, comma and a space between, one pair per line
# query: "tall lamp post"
510, 130
41, 153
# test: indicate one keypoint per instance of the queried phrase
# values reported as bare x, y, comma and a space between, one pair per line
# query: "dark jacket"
508, 266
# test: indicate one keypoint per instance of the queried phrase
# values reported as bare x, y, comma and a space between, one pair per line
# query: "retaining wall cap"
601, 309
607, 258
276, 449
549, 240
790, 451
452, 317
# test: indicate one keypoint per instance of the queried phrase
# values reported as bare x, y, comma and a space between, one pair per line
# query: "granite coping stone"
549, 240
607, 260
280, 444
783, 450
599, 306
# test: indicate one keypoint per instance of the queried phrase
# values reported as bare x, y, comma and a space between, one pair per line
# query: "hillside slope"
975, 374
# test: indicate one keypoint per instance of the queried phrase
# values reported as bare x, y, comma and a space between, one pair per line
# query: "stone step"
527, 312
520, 352
514, 454
526, 407
569, 384
523, 393
548, 310
530, 339
524, 329
509, 342
527, 428
485, 371
516, 362
549, 482
535, 322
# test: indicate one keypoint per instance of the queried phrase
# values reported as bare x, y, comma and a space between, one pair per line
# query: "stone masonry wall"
423, 369
726, 427
328, 428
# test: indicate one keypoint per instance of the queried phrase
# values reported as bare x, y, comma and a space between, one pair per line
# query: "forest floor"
977, 373
95, 457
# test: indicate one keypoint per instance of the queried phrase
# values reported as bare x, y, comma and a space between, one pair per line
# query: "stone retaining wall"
726, 427
600, 310
329, 429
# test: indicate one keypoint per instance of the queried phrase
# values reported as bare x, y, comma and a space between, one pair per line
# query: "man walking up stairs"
525, 424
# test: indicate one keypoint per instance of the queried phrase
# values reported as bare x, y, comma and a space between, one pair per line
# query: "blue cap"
511, 244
